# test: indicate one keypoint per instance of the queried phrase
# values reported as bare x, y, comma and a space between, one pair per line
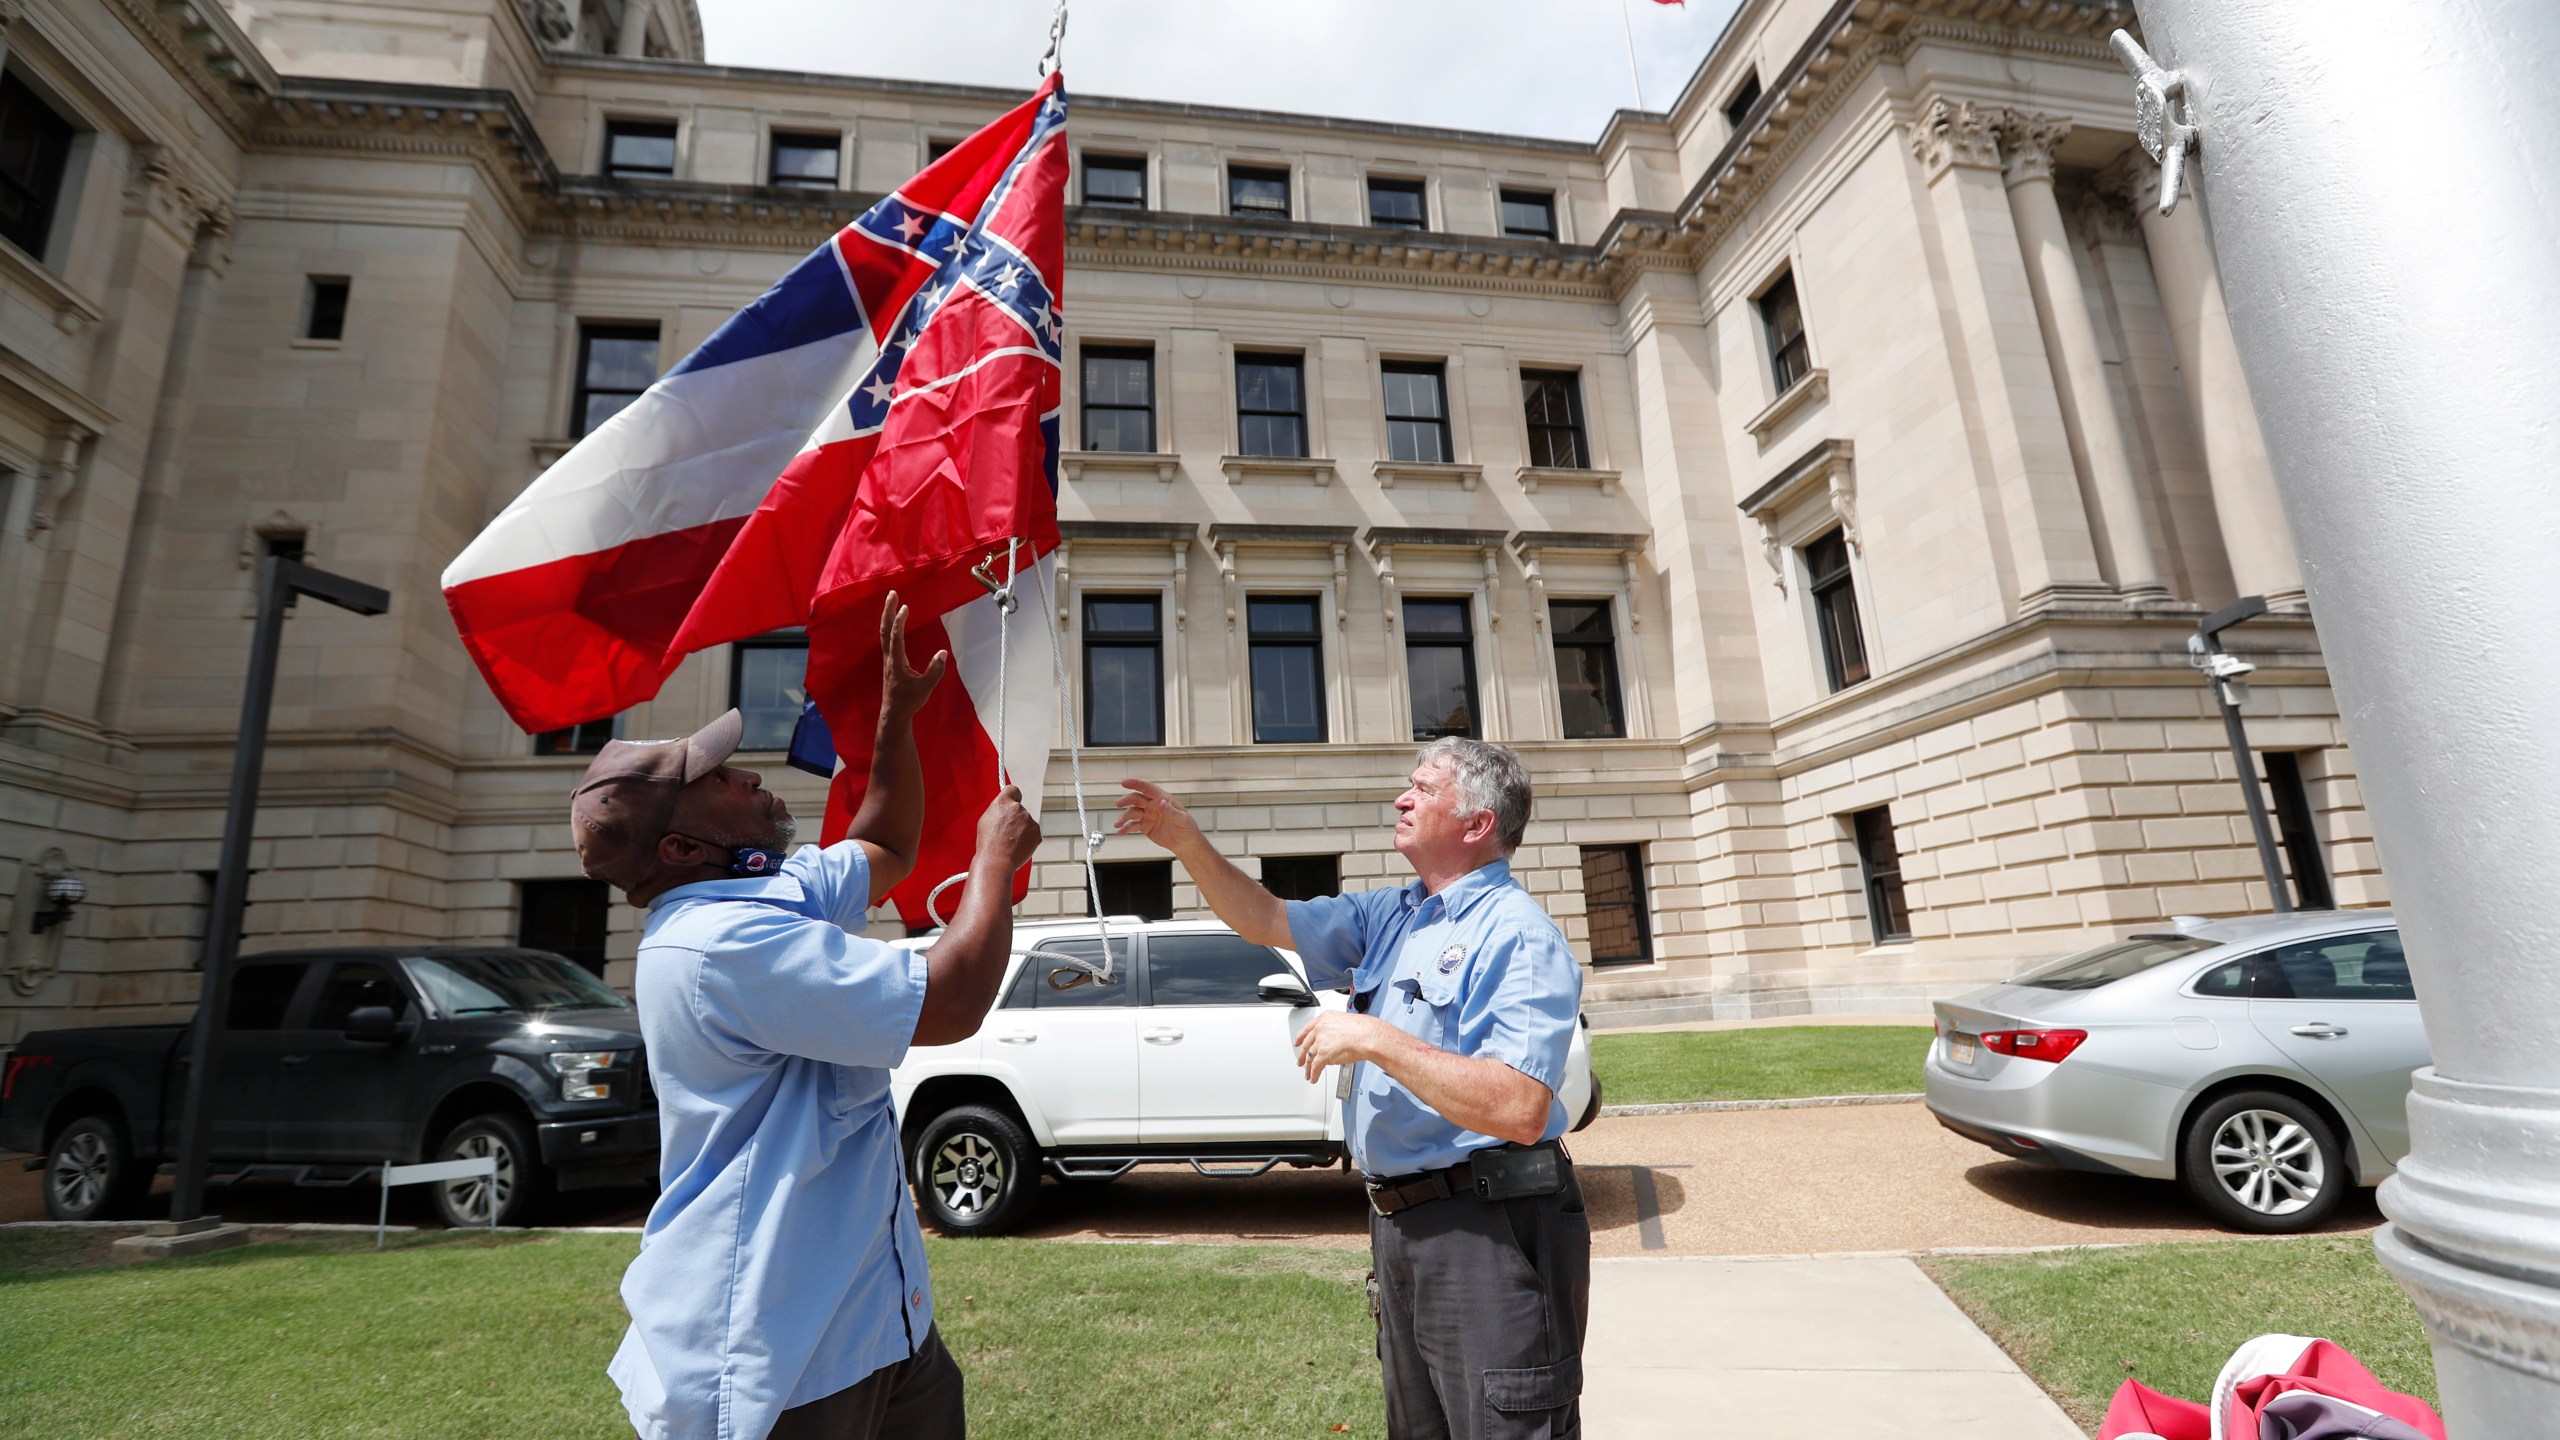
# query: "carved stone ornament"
552, 21
2027, 141
1955, 132
2131, 180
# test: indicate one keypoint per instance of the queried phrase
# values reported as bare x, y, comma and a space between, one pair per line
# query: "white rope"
1091, 839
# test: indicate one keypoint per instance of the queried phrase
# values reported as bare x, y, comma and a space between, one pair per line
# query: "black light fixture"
60, 894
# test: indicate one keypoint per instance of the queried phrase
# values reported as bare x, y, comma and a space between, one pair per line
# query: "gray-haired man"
1465, 997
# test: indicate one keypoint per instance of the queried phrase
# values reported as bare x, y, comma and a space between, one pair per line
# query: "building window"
1782, 321
1302, 877
584, 739
1440, 668
2293, 831
936, 149
1396, 204
615, 364
565, 917
1529, 214
324, 308
1124, 669
768, 685
1143, 888
1586, 640
1271, 405
1417, 412
35, 146
804, 162
1118, 181
1835, 610
1258, 191
1613, 904
1745, 95
1119, 398
1554, 402
1287, 663
1880, 865
644, 149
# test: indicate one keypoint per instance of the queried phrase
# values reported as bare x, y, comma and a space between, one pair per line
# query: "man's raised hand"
1006, 831
903, 688
1146, 808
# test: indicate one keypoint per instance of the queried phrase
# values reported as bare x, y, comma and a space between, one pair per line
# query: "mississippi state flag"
885, 417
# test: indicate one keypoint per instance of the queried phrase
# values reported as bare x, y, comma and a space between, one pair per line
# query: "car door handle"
1016, 1039
1163, 1037
2320, 1030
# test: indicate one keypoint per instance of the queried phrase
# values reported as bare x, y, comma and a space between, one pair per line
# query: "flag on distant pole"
885, 417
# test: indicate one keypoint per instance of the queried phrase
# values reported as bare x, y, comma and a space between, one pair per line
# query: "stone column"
2254, 536
2377, 212
632, 40
2023, 444
2071, 345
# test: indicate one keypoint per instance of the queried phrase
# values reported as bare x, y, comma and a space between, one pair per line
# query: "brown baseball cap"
628, 795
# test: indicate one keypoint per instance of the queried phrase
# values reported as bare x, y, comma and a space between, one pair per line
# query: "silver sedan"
2261, 1062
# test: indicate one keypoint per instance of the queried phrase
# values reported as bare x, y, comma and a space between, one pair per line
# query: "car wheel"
976, 1171
90, 1172
2264, 1161
517, 1191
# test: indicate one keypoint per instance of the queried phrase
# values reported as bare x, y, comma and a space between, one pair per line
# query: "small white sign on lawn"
434, 1170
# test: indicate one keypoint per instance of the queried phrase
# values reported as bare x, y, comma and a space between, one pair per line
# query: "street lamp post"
279, 580
2230, 690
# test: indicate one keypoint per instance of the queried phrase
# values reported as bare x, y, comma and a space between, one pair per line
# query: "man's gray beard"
778, 839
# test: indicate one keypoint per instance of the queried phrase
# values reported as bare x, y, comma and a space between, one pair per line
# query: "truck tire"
975, 1170
522, 1186
90, 1172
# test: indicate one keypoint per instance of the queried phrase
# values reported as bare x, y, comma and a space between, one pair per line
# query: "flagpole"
1623, 19
1057, 39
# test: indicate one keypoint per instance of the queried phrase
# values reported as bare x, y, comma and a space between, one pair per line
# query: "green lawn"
461, 1335
2083, 1321
1777, 1063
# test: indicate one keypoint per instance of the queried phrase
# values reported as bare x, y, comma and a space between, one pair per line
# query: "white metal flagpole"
1633, 73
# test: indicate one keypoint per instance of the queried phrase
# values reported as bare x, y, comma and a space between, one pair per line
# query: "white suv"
1181, 1058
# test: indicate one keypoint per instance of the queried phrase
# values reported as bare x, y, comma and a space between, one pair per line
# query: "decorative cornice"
1122, 239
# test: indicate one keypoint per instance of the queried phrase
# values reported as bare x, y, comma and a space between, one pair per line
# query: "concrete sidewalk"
1846, 1349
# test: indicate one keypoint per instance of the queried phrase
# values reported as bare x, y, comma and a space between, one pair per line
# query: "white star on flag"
879, 391
1010, 280
913, 226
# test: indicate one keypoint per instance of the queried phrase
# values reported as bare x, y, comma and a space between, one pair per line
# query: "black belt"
1492, 1181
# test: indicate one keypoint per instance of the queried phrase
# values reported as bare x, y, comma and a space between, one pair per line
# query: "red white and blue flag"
884, 418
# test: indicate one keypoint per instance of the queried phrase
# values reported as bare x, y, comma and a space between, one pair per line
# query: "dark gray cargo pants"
1481, 1312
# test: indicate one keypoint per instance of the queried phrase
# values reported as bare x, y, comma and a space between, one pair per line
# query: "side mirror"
1285, 989
374, 1023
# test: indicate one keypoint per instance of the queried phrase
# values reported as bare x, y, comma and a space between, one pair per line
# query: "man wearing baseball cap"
781, 1287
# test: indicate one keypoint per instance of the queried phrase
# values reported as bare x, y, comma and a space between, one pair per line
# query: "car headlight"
577, 1071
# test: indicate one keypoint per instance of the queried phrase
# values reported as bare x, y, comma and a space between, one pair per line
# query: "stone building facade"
1816, 481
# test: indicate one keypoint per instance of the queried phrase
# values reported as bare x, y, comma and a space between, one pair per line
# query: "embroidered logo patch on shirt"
1452, 958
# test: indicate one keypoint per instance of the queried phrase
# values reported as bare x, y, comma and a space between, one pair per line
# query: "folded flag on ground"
884, 418
2277, 1387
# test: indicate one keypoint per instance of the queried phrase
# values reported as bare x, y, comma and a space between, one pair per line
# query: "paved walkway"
1846, 1349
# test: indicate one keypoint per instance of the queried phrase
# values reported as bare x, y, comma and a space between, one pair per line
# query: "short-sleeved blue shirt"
782, 1262
1478, 970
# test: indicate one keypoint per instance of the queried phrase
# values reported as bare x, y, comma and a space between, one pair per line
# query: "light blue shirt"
782, 1262
1477, 970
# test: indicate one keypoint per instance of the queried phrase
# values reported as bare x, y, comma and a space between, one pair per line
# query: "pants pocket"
1535, 1387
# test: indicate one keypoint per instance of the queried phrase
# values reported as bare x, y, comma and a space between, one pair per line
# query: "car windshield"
2110, 963
507, 984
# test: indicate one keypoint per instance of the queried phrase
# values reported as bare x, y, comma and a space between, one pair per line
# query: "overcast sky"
1526, 67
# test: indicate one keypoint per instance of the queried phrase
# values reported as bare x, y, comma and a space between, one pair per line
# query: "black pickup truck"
338, 1060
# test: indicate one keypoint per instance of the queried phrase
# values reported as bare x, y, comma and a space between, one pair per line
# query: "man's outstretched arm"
965, 967
890, 822
1235, 897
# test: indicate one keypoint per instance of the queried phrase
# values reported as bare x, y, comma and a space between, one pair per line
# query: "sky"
1524, 67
